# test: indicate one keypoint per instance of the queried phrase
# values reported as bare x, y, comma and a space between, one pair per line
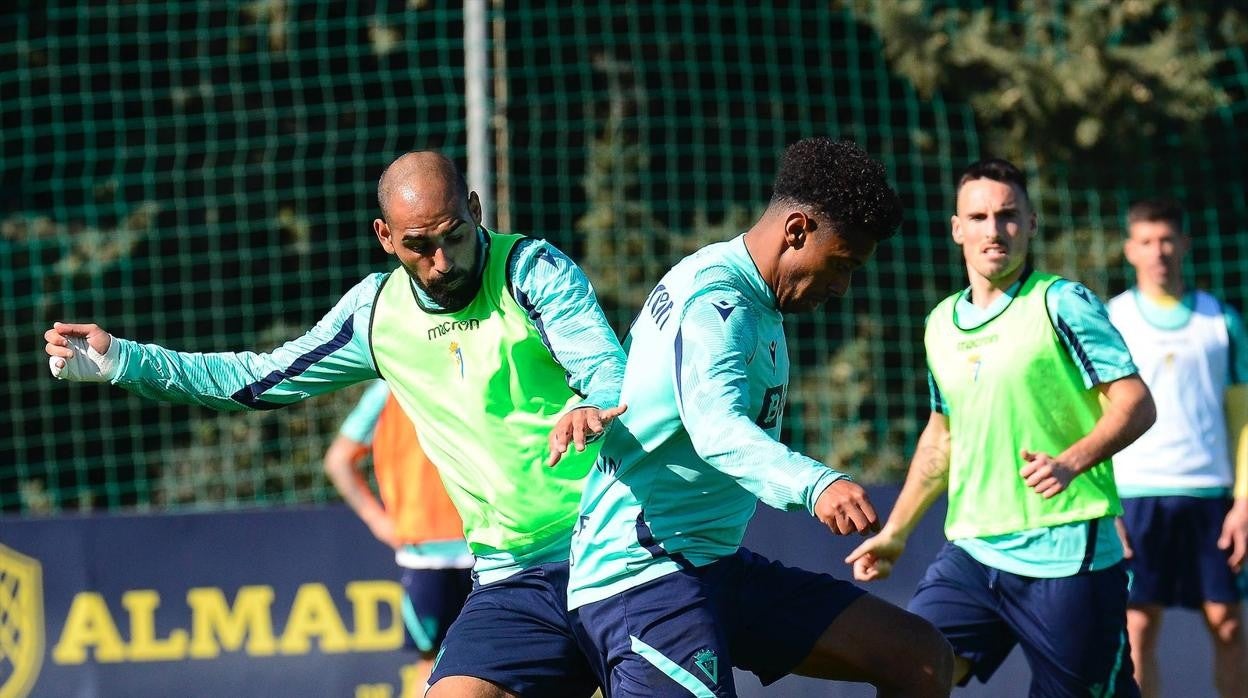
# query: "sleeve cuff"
601, 400
825, 479
124, 348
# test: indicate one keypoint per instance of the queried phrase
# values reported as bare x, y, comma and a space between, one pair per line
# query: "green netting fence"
202, 175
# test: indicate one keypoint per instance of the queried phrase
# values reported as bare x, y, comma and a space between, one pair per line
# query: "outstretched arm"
332, 355
926, 480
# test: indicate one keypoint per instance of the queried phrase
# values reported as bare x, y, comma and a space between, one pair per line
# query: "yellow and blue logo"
459, 357
21, 623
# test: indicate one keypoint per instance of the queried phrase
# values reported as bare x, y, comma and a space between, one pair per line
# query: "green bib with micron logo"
483, 392
1010, 385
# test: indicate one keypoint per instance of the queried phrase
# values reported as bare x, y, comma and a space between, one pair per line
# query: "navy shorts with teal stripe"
1177, 561
681, 634
1071, 629
517, 633
431, 602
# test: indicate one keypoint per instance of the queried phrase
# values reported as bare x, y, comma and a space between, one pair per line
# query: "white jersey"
1187, 369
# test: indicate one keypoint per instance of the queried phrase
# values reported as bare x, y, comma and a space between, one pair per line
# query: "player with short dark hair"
498, 352
1019, 363
1157, 210
1185, 509
660, 582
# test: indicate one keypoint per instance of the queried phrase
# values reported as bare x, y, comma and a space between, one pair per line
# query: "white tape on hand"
87, 364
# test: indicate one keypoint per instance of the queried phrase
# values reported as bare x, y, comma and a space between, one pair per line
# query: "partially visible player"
1019, 362
660, 581
414, 516
1186, 512
496, 348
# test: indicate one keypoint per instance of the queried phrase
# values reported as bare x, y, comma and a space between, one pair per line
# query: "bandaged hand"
82, 353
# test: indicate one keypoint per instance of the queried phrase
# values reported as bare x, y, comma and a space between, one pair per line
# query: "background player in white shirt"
1186, 511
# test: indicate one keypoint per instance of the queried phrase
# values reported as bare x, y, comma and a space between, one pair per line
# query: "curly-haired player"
660, 582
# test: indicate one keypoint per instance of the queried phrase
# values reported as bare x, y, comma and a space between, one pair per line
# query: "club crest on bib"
458, 353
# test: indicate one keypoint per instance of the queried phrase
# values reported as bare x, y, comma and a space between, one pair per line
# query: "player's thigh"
1218, 583
432, 599
1175, 558
1073, 631
775, 614
517, 634
957, 596
660, 639
875, 641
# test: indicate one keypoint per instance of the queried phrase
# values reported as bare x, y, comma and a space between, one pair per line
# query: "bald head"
423, 176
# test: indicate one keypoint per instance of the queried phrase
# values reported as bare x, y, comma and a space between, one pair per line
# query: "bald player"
496, 349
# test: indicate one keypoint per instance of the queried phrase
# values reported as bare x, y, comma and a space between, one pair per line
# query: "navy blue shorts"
431, 601
1177, 561
517, 633
1073, 630
681, 634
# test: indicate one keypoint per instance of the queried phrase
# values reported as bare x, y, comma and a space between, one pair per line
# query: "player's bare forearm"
340, 465
927, 478
361, 499
1129, 413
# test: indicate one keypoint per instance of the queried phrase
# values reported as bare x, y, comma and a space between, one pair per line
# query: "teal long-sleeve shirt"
680, 474
336, 352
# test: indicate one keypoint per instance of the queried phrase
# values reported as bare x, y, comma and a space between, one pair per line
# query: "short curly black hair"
842, 184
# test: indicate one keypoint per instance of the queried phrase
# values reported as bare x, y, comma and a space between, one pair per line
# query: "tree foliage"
1056, 80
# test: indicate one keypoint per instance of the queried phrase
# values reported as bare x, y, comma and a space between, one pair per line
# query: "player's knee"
1227, 629
941, 658
1144, 626
930, 669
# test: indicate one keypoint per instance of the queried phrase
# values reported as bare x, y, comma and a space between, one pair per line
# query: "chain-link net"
202, 176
